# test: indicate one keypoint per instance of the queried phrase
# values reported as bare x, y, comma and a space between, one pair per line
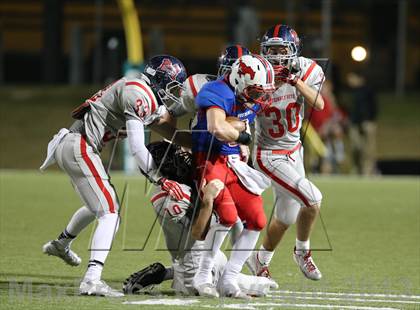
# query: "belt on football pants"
287, 152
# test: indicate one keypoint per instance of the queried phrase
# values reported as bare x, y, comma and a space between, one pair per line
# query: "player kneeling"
183, 225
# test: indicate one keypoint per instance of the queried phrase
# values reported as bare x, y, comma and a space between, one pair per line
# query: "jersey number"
278, 128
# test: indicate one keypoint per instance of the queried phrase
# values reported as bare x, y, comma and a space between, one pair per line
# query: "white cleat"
306, 264
207, 290
98, 288
232, 291
256, 268
54, 248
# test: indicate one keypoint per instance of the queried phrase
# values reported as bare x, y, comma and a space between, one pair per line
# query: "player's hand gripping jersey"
107, 111
278, 127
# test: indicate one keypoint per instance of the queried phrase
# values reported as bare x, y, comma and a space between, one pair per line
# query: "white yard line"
250, 305
344, 299
163, 301
274, 304
346, 294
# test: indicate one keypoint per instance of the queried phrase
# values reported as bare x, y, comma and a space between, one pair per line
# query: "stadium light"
358, 53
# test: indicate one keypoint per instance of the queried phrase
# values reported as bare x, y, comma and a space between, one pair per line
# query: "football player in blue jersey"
242, 93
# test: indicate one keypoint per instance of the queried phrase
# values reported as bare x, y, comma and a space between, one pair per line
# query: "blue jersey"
217, 94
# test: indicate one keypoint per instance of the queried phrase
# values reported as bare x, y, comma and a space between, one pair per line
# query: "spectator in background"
329, 125
363, 114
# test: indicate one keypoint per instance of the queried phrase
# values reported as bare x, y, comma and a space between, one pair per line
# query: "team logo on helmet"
171, 69
244, 69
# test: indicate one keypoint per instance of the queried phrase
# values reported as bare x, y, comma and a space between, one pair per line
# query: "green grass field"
373, 225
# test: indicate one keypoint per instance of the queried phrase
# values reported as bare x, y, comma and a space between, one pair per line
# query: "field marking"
163, 301
345, 299
251, 305
346, 294
326, 306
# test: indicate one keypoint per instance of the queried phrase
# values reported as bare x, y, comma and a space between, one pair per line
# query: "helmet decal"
172, 69
244, 69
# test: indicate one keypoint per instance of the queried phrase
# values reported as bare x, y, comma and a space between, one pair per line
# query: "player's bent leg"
285, 214
304, 225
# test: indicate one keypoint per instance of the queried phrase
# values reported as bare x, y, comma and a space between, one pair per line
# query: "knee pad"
310, 191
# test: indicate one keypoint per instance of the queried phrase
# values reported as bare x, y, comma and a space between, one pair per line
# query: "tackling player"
183, 223
130, 103
279, 153
243, 92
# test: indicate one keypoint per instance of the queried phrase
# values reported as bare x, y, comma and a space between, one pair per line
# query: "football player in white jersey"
278, 151
130, 103
183, 223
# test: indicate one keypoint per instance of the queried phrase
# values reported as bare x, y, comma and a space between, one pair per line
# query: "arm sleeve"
135, 135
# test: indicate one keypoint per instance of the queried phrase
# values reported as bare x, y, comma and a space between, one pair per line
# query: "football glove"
144, 279
172, 188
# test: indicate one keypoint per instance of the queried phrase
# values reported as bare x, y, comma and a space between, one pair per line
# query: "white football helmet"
252, 77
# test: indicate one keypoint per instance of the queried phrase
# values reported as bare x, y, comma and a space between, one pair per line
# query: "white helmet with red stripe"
252, 77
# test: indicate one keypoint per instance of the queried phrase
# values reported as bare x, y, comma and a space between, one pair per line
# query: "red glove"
172, 188
287, 77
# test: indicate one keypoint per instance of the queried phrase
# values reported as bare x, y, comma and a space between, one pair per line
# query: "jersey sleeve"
192, 85
138, 101
209, 97
312, 73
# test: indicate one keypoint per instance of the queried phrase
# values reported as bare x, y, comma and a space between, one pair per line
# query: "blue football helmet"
280, 36
230, 55
166, 75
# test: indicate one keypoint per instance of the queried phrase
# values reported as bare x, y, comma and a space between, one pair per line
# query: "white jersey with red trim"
112, 106
279, 126
163, 203
191, 87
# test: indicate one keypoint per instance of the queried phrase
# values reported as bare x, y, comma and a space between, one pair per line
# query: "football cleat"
231, 290
306, 264
256, 268
54, 248
98, 288
144, 279
206, 290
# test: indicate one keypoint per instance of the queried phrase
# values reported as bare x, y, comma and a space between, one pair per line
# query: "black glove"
244, 138
145, 278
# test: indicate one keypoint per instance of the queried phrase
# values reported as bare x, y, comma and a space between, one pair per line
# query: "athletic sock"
102, 241
302, 246
264, 256
80, 219
94, 271
240, 253
64, 239
214, 240
169, 273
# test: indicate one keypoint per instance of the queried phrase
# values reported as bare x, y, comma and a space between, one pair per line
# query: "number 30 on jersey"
278, 129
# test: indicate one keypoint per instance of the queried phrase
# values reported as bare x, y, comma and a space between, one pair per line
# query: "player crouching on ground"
279, 152
183, 222
130, 103
242, 93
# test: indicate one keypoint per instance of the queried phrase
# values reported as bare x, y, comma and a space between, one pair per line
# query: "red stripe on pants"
96, 175
280, 181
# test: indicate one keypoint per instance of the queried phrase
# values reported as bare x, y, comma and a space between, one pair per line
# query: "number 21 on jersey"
278, 129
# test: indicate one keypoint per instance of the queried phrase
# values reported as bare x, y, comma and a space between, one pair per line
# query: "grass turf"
373, 225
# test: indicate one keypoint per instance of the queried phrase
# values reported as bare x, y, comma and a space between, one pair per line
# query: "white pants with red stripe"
87, 173
292, 189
